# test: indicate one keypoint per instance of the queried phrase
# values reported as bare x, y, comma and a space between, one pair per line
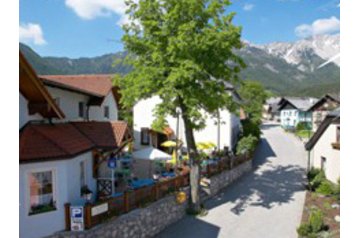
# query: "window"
81, 109
106, 111
41, 192
323, 164
83, 173
338, 134
144, 136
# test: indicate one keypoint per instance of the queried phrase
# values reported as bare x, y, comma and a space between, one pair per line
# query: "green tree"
254, 96
183, 52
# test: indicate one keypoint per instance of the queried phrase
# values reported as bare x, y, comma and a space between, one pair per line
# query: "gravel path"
265, 203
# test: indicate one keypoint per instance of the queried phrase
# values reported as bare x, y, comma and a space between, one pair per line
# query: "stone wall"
149, 221
222, 180
139, 223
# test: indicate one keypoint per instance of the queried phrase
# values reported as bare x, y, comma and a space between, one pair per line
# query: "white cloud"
248, 6
320, 26
31, 33
90, 9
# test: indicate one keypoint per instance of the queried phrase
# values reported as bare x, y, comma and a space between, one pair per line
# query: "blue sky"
87, 28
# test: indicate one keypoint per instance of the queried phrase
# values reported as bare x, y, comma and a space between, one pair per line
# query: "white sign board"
99, 209
77, 221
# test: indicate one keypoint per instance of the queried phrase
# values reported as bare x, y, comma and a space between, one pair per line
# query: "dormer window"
106, 111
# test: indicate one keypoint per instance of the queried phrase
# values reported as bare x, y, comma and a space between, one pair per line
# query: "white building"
84, 97
324, 146
60, 154
294, 110
227, 135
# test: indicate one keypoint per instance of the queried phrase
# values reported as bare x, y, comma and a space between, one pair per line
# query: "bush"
316, 221
252, 128
304, 230
312, 173
326, 188
314, 226
316, 181
246, 145
303, 126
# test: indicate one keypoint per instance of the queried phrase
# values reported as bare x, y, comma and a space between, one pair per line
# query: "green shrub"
304, 230
303, 126
316, 221
316, 181
246, 145
326, 188
314, 225
312, 173
251, 127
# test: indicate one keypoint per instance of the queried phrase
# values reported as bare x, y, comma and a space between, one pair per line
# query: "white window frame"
28, 191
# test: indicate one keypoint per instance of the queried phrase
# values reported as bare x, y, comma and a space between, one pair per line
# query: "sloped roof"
333, 116
42, 142
33, 89
302, 104
104, 134
46, 142
98, 85
324, 99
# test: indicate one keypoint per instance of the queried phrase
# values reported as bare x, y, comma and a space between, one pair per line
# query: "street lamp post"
178, 112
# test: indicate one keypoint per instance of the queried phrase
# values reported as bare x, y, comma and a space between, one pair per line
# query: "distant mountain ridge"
283, 68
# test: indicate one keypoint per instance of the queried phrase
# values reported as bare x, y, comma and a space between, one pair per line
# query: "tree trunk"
194, 202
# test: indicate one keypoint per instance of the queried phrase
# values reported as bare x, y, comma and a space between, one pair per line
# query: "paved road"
265, 203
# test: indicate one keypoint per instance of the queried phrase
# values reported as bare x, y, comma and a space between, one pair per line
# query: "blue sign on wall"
112, 163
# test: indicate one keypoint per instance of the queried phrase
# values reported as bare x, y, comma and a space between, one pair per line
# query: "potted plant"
86, 193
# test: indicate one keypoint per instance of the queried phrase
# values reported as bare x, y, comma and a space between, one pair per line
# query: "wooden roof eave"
52, 110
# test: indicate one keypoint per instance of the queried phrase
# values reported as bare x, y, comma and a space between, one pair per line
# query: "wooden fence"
225, 163
129, 200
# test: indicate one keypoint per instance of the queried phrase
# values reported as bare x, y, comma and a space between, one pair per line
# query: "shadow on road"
268, 126
274, 186
263, 152
191, 227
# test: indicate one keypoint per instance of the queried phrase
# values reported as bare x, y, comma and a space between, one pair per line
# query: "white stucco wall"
97, 112
24, 116
68, 102
323, 148
69, 105
143, 118
291, 117
66, 188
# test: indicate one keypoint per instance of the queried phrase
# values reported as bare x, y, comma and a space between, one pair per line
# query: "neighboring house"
294, 110
322, 107
58, 158
226, 134
270, 109
324, 146
84, 97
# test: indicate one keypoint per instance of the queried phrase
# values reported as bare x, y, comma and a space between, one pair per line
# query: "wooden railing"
225, 163
129, 200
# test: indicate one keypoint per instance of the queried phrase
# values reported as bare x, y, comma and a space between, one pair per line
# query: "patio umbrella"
169, 143
205, 145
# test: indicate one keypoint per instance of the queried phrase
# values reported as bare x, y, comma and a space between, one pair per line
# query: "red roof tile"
104, 134
47, 141
94, 84
66, 140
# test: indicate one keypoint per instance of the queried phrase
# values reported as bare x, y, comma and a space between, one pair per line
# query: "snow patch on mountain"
325, 46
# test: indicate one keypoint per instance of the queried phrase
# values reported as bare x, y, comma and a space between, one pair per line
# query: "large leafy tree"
183, 52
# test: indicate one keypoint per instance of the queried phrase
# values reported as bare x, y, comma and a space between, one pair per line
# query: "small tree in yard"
183, 52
